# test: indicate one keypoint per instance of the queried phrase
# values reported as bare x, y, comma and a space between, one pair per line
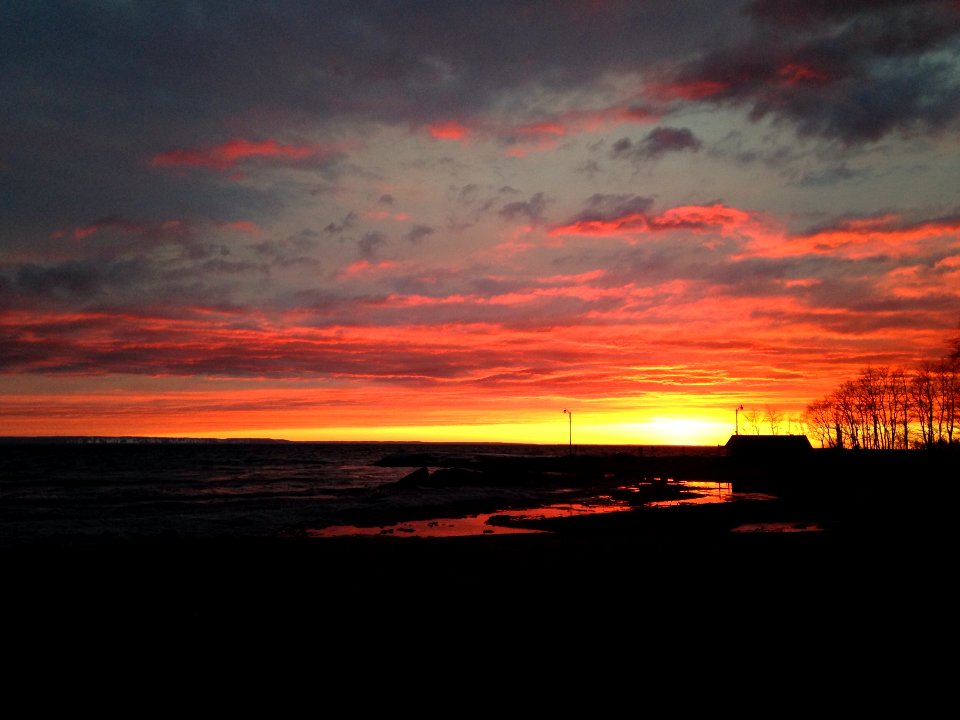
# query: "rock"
418, 477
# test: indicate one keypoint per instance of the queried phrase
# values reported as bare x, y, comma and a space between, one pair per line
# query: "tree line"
887, 408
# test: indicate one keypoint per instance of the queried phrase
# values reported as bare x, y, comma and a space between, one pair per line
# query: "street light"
570, 413
736, 416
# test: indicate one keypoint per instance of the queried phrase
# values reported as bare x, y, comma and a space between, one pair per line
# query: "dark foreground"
880, 569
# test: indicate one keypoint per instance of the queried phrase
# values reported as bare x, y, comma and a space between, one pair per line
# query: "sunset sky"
456, 220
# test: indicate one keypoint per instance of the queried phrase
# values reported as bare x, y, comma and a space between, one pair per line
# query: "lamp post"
736, 417
570, 423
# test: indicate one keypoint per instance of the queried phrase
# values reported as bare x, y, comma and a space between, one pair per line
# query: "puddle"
474, 524
704, 491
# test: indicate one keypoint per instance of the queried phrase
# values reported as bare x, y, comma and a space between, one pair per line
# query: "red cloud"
694, 90
365, 266
245, 226
542, 134
79, 233
227, 155
796, 73
450, 130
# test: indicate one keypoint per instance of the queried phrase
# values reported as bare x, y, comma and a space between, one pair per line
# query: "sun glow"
566, 431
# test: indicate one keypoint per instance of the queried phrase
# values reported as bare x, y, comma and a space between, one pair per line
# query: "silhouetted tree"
796, 425
886, 408
946, 382
773, 417
848, 415
821, 419
923, 393
899, 408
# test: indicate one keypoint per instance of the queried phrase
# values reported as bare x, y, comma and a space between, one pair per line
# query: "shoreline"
593, 560
875, 549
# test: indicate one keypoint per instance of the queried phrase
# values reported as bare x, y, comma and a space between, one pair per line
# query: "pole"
736, 430
570, 423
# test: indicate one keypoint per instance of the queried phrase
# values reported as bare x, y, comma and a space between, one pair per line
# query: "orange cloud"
865, 237
384, 215
350, 379
701, 217
232, 152
697, 218
626, 224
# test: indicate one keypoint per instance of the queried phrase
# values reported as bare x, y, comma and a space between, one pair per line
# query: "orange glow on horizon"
374, 414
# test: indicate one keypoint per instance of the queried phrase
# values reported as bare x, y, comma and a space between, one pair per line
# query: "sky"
554, 222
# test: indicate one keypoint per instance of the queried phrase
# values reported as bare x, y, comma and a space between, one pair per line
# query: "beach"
796, 568
585, 566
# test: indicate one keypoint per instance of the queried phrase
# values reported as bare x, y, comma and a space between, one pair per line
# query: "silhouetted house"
768, 461
768, 447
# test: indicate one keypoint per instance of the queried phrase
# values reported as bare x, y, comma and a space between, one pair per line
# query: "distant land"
127, 440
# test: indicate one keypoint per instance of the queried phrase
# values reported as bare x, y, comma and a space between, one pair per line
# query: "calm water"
89, 492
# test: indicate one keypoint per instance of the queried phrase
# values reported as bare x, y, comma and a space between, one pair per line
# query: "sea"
79, 490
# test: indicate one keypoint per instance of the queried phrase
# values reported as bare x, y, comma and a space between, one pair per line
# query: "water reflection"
694, 492
444, 527
701, 492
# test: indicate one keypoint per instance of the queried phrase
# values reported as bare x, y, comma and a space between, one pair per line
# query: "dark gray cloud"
531, 209
609, 207
418, 233
336, 228
370, 244
657, 143
853, 71
98, 90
